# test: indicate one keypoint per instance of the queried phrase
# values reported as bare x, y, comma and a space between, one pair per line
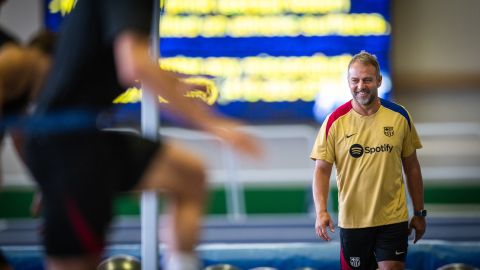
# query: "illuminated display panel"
268, 61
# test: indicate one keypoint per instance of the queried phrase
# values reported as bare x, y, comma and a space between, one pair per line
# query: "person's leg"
69, 238
181, 176
88, 171
74, 263
391, 246
77, 199
391, 265
76, 223
356, 249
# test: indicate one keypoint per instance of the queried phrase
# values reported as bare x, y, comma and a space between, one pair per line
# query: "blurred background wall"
21, 17
435, 44
436, 67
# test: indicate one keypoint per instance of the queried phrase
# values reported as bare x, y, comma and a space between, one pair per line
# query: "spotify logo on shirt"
356, 150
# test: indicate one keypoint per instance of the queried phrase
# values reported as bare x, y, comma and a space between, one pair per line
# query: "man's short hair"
366, 58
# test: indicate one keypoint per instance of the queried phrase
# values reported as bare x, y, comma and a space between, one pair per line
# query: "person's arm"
413, 174
16, 72
133, 62
14, 69
1, 102
321, 187
3, 74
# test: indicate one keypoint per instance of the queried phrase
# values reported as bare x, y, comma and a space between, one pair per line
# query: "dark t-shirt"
83, 76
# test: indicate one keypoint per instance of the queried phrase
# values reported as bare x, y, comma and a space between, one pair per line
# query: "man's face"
363, 83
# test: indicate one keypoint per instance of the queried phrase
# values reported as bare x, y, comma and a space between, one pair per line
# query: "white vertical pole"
150, 125
234, 191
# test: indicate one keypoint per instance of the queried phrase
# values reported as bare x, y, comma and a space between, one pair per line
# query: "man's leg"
357, 249
74, 263
181, 176
391, 246
391, 265
73, 172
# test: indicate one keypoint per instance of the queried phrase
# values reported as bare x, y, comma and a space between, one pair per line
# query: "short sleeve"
411, 142
120, 15
323, 148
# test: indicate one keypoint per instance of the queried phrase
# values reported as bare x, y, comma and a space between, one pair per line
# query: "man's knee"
391, 265
195, 178
189, 173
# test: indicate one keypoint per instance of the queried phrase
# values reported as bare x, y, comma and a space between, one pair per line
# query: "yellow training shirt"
367, 152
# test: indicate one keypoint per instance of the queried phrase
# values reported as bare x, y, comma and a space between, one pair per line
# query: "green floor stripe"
15, 203
276, 201
452, 195
127, 205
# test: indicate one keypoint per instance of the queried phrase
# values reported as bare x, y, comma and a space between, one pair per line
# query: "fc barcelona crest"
355, 261
388, 131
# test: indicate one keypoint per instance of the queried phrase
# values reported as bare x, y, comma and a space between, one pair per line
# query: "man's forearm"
413, 174
320, 198
415, 187
321, 186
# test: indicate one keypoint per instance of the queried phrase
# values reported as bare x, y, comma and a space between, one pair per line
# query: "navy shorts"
79, 175
362, 248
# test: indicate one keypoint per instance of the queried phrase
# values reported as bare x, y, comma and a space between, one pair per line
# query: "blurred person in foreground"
370, 140
5, 38
22, 72
103, 48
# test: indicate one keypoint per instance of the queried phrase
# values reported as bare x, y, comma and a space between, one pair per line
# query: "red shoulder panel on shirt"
340, 111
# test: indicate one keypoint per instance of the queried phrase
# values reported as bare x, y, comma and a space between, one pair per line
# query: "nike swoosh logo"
348, 136
399, 252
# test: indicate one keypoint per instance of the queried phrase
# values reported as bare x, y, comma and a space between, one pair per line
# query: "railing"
451, 153
286, 160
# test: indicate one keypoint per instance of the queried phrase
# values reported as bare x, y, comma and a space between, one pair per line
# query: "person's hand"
204, 118
230, 131
419, 225
322, 222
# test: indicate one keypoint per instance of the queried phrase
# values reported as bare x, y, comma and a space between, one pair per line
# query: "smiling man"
370, 140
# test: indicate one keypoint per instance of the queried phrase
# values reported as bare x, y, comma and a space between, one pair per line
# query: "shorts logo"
388, 131
355, 261
356, 150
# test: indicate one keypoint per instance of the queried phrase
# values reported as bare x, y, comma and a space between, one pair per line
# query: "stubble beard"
365, 101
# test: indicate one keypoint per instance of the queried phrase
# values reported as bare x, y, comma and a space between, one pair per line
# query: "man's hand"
321, 223
419, 225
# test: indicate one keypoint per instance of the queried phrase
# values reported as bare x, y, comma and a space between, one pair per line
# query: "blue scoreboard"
275, 61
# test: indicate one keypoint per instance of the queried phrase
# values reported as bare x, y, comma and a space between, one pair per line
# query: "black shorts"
79, 174
362, 248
